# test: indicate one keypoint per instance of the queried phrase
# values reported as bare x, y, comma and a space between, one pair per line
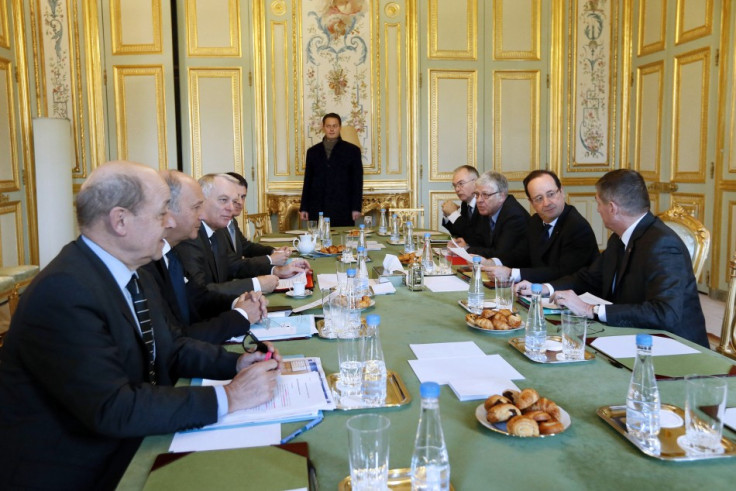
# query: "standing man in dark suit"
559, 240
333, 178
206, 315
79, 386
503, 221
242, 246
208, 259
462, 221
645, 270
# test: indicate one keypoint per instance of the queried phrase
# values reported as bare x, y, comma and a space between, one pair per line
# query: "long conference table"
588, 455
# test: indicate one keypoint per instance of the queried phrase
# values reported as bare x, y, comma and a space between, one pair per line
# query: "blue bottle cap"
536, 288
327, 219
477, 259
373, 319
427, 235
351, 272
644, 340
408, 223
321, 213
394, 215
361, 248
429, 389
383, 209
362, 226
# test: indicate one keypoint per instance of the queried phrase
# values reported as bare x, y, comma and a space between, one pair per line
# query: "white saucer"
307, 293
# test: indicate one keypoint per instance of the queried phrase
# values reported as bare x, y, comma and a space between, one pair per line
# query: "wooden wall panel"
516, 122
694, 20
279, 99
648, 133
213, 27
652, 26
136, 26
516, 33
8, 154
690, 118
11, 234
453, 25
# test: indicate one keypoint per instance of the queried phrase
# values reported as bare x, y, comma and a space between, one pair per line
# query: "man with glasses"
503, 221
559, 240
462, 221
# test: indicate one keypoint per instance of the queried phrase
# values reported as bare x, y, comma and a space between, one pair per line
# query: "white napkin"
391, 263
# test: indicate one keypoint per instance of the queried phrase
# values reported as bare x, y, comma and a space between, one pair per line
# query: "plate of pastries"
495, 321
356, 232
332, 250
407, 258
523, 414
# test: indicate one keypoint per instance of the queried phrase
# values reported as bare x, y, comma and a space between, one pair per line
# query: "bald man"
89, 363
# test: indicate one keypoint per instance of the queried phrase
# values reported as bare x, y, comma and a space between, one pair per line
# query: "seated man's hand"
249, 358
268, 282
252, 302
356, 215
278, 258
493, 271
569, 299
449, 207
253, 385
459, 242
524, 287
288, 270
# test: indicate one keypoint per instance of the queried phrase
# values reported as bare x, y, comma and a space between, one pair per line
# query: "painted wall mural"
337, 67
55, 34
593, 82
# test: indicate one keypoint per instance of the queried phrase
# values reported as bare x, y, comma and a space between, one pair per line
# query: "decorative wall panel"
216, 120
586, 205
9, 180
516, 122
453, 25
648, 133
393, 98
213, 27
516, 33
280, 98
452, 115
141, 114
11, 234
652, 26
136, 26
592, 85
436, 198
694, 20
690, 116
4, 34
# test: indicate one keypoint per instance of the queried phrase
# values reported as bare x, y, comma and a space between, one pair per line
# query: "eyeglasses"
485, 196
537, 200
460, 184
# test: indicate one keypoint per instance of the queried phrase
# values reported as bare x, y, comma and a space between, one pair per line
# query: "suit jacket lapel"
638, 232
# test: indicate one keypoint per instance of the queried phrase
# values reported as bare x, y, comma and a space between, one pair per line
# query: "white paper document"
257, 435
445, 370
730, 418
459, 251
446, 350
445, 284
480, 387
325, 280
625, 346
382, 288
592, 299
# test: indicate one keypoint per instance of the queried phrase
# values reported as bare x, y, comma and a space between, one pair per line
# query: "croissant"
538, 416
469, 317
544, 404
488, 313
505, 312
484, 323
514, 320
494, 400
502, 412
522, 426
525, 398
500, 324
550, 427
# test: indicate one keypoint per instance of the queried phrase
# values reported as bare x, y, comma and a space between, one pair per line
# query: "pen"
262, 347
304, 428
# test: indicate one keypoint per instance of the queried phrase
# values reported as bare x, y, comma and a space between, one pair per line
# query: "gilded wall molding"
95, 88
644, 11
436, 198
693, 203
14, 208
120, 47
470, 52
644, 124
4, 32
194, 46
682, 34
531, 54
280, 127
120, 73
12, 184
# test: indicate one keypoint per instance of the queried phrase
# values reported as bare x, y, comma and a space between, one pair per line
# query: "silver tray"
396, 392
518, 343
398, 479
615, 416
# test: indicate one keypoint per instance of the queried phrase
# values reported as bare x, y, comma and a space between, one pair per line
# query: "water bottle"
361, 237
427, 262
326, 235
374, 366
642, 401
382, 222
348, 342
395, 229
361, 275
321, 225
535, 337
409, 238
475, 289
430, 465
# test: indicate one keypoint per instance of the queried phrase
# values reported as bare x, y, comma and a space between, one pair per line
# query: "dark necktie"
545, 234
493, 225
176, 273
231, 229
620, 251
140, 305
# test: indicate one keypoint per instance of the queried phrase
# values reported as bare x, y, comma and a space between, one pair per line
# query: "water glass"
445, 266
312, 227
368, 221
504, 293
705, 405
349, 357
573, 335
368, 443
341, 267
326, 311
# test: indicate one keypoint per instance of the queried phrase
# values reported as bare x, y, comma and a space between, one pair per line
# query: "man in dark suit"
333, 178
206, 315
559, 240
645, 270
462, 221
240, 245
208, 259
79, 386
503, 221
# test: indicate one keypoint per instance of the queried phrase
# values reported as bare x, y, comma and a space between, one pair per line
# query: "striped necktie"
140, 305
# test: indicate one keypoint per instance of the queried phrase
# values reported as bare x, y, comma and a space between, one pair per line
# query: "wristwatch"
596, 308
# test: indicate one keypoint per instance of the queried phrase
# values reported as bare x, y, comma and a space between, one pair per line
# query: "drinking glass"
368, 221
705, 405
368, 443
444, 262
349, 358
573, 335
312, 227
504, 293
